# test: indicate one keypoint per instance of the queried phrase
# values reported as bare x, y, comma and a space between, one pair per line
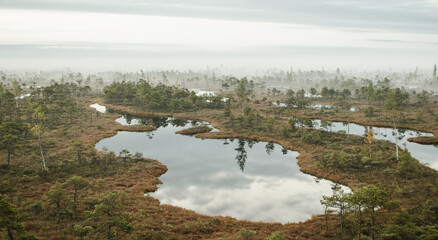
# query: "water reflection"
330, 107
427, 154
158, 122
203, 176
99, 107
269, 148
241, 154
284, 150
317, 106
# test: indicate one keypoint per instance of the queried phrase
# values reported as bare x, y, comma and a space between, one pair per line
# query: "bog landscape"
145, 157
148, 120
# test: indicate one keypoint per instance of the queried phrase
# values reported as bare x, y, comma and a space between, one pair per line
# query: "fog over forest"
214, 79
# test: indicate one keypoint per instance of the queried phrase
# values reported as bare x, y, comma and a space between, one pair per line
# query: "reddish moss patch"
424, 140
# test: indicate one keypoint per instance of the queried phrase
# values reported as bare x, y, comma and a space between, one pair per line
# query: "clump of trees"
250, 120
22, 120
105, 218
11, 134
369, 213
361, 213
378, 156
10, 223
159, 97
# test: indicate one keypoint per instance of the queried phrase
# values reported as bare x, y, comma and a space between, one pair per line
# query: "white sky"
76, 28
60, 38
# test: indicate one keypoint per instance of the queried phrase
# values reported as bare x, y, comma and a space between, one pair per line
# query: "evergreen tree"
10, 136
108, 217
9, 219
369, 202
77, 184
55, 196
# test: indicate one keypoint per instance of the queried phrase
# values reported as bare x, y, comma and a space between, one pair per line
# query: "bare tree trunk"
41, 151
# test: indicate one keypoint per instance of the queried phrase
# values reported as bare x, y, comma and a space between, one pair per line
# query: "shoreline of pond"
418, 140
421, 140
165, 122
425, 140
304, 160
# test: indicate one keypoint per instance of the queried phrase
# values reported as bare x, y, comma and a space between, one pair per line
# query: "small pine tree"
8, 219
227, 111
56, 196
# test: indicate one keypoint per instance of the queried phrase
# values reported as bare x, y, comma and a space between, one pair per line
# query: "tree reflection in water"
178, 122
284, 150
160, 121
241, 154
251, 143
269, 148
128, 118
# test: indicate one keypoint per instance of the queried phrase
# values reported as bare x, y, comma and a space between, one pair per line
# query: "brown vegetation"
424, 140
195, 130
153, 220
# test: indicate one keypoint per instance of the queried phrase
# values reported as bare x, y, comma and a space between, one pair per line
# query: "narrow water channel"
427, 154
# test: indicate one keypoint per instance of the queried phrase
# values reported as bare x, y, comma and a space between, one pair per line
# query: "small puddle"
99, 107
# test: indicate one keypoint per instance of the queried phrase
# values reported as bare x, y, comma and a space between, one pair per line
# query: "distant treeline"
159, 97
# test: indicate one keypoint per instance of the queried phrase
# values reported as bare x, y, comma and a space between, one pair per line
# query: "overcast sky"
182, 34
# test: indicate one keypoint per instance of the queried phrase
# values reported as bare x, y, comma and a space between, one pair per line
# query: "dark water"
249, 180
427, 154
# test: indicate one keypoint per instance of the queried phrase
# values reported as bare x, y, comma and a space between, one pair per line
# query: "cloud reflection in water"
203, 176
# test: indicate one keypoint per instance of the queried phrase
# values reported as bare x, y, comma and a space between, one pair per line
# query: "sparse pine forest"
55, 184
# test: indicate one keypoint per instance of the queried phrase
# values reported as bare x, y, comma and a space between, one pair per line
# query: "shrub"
246, 234
277, 236
313, 137
197, 227
369, 112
